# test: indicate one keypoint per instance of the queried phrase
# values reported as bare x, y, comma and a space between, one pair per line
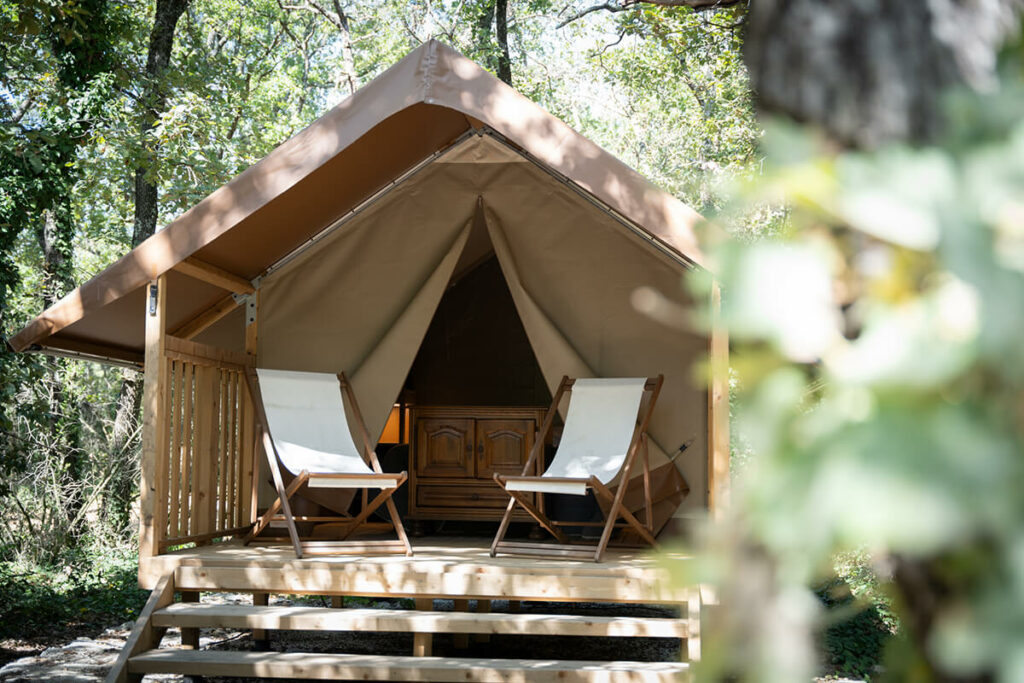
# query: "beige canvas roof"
425, 104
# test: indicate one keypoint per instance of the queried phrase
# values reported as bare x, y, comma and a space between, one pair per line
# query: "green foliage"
877, 339
99, 589
855, 634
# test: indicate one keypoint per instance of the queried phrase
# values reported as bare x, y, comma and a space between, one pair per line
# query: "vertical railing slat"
186, 452
249, 466
222, 444
232, 440
174, 407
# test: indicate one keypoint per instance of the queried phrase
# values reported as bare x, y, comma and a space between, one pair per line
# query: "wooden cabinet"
455, 452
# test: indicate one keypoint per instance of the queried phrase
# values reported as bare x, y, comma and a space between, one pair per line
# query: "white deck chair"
605, 428
305, 429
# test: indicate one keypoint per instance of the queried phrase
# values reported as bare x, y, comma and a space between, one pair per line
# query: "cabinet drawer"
438, 496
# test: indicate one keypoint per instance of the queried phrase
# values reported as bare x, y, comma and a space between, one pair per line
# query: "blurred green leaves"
878, 342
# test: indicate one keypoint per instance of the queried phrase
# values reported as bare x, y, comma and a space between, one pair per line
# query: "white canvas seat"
605, 427
306, 418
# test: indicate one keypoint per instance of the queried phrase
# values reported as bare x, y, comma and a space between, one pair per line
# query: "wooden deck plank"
441, 568
413, 621
376, 667
409, 584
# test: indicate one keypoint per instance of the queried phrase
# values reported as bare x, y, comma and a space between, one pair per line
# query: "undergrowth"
859, 619
97, 588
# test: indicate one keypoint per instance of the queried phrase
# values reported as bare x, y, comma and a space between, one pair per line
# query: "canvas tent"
346, 237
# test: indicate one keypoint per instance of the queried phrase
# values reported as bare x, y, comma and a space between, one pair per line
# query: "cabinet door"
502, 446
444, 447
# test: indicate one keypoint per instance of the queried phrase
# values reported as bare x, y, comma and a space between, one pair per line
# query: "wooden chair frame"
577, 551
342, 546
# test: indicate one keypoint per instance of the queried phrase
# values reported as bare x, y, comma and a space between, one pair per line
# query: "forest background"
872, 257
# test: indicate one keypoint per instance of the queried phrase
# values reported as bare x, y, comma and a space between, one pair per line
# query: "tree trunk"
501, 33
154, 98
492, 23
872, 71
348, 60
55, 238
129, 401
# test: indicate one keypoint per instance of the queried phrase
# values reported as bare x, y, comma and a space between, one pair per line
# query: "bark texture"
872, 71
501, 33
129, 400
154, 98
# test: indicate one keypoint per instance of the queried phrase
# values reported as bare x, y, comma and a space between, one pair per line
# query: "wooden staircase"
142, 654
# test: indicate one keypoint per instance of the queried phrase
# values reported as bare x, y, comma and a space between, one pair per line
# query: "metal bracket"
250, 310
154, 293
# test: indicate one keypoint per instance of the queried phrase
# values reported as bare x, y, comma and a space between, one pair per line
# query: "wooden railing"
205, 460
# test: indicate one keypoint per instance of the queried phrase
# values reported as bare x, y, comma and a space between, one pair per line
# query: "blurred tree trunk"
129, 400
872, 71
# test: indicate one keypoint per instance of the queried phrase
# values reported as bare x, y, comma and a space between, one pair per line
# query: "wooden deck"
460, 569
455, 568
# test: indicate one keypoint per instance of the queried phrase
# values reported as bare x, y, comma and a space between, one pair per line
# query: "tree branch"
623, 5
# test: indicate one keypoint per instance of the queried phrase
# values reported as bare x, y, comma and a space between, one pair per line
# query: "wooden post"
692, 608
718, 410
190, 636
337, 601
251, 445
461, 640
423, 643
483, 607
153, 487
260, 641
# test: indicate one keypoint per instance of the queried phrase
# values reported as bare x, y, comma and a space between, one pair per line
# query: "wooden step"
383, 668
301, 618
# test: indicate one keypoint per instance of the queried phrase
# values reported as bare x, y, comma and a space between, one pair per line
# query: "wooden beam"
90, 349
154, 422
461, 640
251, 455
692, 610
190, 328
189, 634
218, 277
423, 643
